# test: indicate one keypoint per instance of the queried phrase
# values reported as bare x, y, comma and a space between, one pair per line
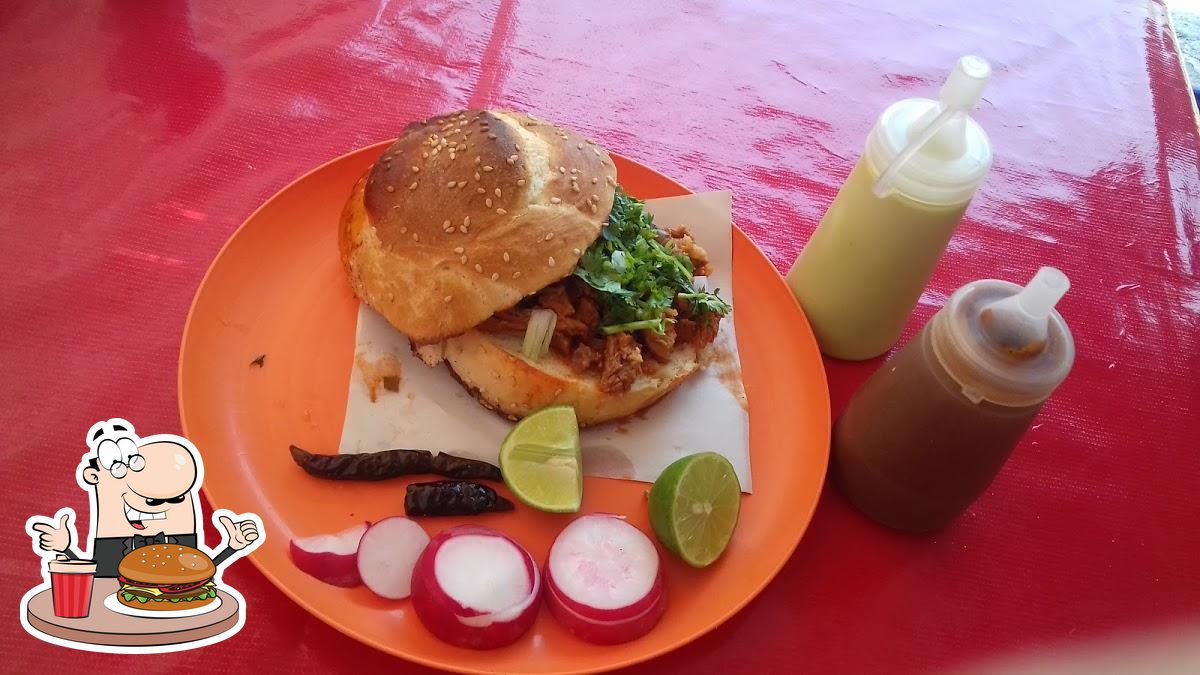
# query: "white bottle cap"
932, 151
1003, 343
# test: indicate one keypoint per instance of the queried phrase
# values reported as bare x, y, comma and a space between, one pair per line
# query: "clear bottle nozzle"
1043, 292
964, 87
1020, 323
960, 93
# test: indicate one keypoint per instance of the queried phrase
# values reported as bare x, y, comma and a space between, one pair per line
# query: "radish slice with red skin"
604, 580
387, 555
475, 587
332, 558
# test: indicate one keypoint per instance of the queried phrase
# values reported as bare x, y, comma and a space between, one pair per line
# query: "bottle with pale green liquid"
863, 271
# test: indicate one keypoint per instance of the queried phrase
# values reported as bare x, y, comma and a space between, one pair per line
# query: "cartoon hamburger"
166, 577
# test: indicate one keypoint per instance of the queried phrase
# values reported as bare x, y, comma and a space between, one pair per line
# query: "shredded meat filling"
681, 240
622, 363
616, 359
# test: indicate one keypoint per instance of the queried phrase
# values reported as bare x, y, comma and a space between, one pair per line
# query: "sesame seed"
594, 180
594, 198
497, 191
492, 136
391, 188
576, 251
458, 249
555, 200
579, 146
488, 202
448, 298
463, 260
462, 183
575, 188
549, 236
476, 175
610, 180
450, 184
462, 228
413, 186
507, 257
452, 155
416, 237
520, 181
562, 169
467, 221
479, 268
511, 160
597, 153
396, 206
416, 169
487, 169
480, 190
517, 274
550, 261
403, 230
495, 276
476, 159
425, 155
501, 211
445, 224
574, 171
595, 208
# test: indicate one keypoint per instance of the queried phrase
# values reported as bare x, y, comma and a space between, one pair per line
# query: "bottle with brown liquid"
927, 433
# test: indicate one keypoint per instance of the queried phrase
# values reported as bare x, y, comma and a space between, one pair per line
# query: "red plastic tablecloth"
136, 136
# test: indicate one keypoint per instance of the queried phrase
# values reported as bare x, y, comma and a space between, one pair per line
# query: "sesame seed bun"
493, 369
467, 213
166, 564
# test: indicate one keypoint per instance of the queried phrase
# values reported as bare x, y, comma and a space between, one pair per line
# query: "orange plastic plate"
277, 288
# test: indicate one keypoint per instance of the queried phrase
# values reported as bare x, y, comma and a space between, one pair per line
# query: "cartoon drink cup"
71, 586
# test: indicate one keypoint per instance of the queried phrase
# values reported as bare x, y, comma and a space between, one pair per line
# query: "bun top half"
467, 213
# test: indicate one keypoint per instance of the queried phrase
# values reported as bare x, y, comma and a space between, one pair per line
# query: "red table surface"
137, 136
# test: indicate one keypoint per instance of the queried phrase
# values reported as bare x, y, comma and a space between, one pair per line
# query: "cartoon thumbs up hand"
49, 536
241, 533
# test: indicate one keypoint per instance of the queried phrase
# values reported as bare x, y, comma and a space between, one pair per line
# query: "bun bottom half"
492, 368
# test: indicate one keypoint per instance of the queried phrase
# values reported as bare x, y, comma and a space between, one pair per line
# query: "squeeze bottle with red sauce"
864, 268
927, 433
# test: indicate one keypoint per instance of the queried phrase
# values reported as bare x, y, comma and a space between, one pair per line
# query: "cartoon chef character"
142, 492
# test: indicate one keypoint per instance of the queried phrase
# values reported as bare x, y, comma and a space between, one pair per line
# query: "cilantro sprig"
636, 277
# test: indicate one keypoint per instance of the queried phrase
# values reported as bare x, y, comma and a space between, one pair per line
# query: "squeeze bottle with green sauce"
927, 433
862, 272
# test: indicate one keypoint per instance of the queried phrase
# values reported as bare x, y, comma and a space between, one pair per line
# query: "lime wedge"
694, 507
541, 463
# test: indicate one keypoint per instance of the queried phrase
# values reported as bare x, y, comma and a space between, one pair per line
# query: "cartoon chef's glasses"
119, 457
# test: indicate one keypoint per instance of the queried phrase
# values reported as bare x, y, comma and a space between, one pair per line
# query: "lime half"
541, 463
694, 507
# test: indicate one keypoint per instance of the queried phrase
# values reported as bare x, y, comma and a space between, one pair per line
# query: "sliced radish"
332, 558
387, 555
475, 587
604, 580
